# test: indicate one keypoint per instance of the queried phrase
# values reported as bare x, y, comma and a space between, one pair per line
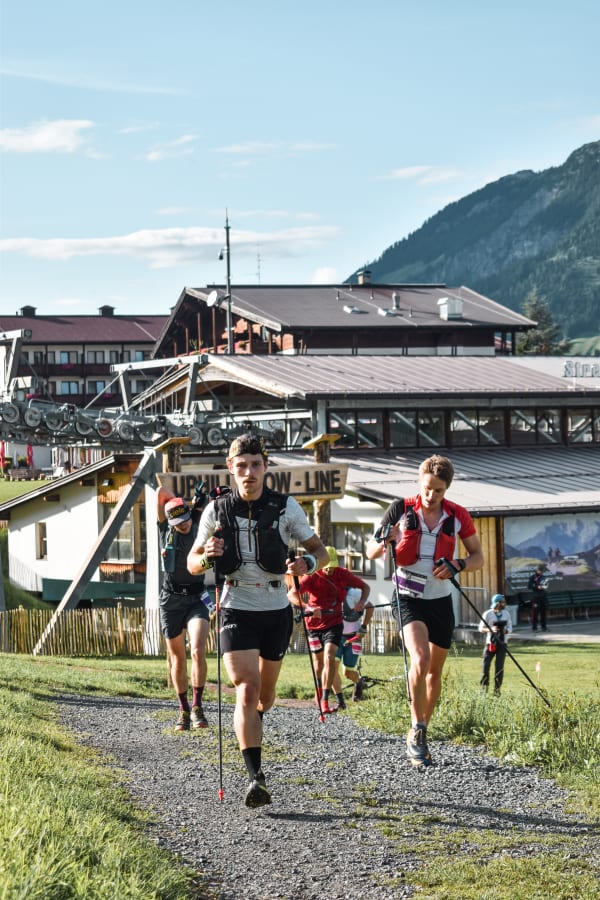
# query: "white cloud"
164, 248
270, 148
325, 275
59, 136
181, 146
173, 210
423, 174
34, 71
138, 128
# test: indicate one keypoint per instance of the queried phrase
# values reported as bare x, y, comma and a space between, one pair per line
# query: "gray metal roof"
284, 307
506, 481
138, 329
312, 377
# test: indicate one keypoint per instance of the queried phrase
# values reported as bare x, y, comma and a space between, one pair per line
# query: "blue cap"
497, 598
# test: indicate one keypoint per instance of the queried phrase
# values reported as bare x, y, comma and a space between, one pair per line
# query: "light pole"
227, 251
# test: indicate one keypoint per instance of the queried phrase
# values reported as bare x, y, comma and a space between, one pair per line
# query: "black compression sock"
252, 758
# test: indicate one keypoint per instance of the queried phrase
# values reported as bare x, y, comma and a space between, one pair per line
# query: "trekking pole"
218, 626
399, 609
291, 558
453, 580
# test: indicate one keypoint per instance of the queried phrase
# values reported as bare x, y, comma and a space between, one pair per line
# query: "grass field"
68, 829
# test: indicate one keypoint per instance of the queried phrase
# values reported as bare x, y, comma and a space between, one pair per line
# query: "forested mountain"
530, 230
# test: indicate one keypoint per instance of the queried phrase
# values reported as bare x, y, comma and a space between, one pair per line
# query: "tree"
546, 339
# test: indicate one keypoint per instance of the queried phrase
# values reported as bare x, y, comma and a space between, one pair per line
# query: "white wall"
72, 527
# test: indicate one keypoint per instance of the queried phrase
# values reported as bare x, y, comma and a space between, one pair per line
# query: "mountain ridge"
527, 230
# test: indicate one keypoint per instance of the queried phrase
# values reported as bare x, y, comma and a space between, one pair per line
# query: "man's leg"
269, 673
437, 659
328, 672
178, 660
243, 668
198, 634
317, 661
485, 669
499, 671
416, 636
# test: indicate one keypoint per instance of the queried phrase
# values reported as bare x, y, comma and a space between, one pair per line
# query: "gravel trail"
350, 817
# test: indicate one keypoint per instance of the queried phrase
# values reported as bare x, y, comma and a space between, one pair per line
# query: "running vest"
175, 548
262, 516
407, 549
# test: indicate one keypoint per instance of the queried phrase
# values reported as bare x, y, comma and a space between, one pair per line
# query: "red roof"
138, 329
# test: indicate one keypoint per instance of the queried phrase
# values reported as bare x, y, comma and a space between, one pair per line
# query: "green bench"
574, 602
585, 601
98, 592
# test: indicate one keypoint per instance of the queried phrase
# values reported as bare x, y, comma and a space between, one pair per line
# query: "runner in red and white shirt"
424, 529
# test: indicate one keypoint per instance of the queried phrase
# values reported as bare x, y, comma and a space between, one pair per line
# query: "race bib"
410, 583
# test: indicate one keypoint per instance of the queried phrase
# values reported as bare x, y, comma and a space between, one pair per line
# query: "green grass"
63, 821
66, 831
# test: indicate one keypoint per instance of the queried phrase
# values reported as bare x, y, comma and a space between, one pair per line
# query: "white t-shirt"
493, 618
293, 524
353, 596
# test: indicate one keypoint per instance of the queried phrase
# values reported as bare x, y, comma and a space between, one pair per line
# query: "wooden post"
321, 444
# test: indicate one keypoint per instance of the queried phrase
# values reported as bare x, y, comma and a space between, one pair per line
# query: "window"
96, 387
370, 430
114, 356
121, 549
95, 356
38, 358
350, 541
41, 541
403, 428
68, 387
141, 355
472, 427
580, 426
344, 424
431, 428
491, 427
530, 426
68, 357
464, 425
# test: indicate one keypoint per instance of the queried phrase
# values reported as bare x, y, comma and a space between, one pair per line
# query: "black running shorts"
176, 611
318, 639
268, 632
437, 614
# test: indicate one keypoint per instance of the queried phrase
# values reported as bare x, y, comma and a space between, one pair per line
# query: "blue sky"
328, 130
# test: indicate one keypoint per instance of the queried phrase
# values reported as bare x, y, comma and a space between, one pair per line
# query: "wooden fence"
125, 631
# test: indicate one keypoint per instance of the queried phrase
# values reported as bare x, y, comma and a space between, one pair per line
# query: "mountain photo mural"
567, 546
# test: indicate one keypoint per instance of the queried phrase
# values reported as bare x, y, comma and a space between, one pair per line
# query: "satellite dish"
212, 298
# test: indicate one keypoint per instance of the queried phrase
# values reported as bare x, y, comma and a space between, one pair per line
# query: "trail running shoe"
183, 722
341, 702
416, 746
326, 709
198, 718
359, 688
257, 793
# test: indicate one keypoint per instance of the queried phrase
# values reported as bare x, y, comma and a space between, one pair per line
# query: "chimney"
396, 301
106, 311
450, 307
27, 311
364, 277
